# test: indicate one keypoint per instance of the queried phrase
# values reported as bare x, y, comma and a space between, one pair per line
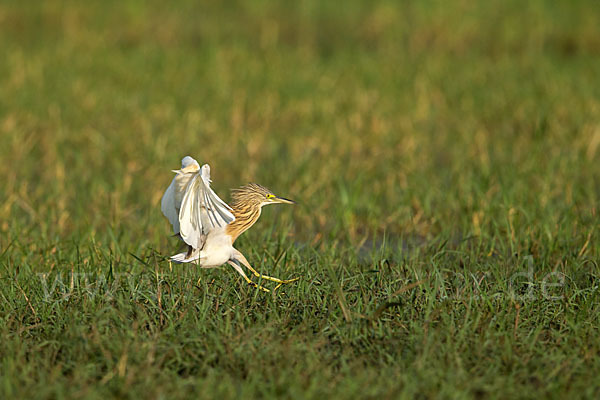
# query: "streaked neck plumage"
245, 217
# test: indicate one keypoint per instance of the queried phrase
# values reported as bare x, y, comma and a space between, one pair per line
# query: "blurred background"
444, 155
411, 119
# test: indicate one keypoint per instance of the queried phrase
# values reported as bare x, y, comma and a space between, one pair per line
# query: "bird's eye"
270, 196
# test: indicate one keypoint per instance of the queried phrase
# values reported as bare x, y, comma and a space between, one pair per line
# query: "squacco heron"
209, 226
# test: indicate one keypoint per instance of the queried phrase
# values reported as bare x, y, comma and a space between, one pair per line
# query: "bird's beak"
284, 200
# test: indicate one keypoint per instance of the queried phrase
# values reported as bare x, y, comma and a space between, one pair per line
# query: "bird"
208, 225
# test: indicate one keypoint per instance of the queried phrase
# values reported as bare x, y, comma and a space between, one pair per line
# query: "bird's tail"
186, 257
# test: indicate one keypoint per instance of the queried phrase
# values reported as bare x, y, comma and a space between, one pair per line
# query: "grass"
445, 156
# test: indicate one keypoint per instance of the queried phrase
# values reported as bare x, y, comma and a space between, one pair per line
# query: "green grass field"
444, 155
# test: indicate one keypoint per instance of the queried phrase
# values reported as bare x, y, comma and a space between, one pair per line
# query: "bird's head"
256, 195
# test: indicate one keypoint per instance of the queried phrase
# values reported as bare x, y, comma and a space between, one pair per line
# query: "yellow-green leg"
270, 278
248, 280
240, 257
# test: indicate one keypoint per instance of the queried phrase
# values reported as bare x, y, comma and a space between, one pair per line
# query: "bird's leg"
241, 272
189, 252
240, 257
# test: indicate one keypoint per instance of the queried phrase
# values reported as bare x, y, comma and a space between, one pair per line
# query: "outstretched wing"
201, 210
168, 207
171, 200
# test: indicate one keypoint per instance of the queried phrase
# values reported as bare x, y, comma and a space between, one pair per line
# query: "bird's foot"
273, 279
289, 280
254, 284
284, 282
270, 278
257, 286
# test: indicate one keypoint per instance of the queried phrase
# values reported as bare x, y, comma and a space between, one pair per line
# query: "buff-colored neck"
245, 217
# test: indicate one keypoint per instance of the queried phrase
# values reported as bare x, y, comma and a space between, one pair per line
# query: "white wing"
171, 200
201, 210
168, 208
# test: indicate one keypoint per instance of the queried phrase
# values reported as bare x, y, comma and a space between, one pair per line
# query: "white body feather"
217, 250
